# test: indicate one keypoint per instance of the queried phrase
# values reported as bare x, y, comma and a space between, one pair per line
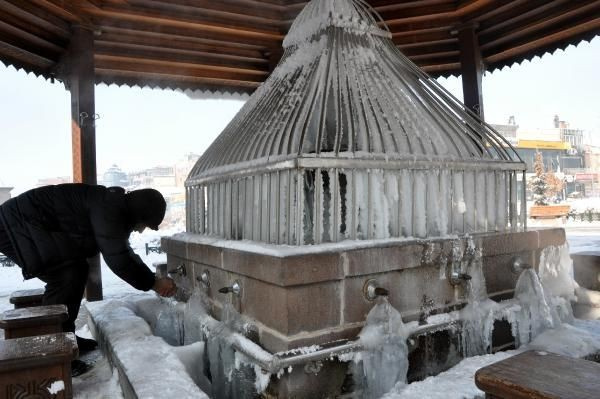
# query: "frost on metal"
348, 139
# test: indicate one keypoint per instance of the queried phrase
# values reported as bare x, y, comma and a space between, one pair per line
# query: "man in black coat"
51, 231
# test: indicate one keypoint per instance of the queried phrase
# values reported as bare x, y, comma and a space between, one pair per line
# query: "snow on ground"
101, 382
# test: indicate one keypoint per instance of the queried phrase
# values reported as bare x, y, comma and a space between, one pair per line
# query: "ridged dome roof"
343, 90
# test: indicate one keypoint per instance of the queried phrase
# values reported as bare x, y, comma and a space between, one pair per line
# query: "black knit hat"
146, 206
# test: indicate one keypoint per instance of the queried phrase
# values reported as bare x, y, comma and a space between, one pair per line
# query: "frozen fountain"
353, 217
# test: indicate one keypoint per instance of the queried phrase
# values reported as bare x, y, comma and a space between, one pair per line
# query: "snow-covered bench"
37, 367
539, 374
27, 298
27, 322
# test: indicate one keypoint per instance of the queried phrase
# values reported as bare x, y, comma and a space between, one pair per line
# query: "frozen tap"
372, 290
456, 274
235, 289
517, 265
179, 270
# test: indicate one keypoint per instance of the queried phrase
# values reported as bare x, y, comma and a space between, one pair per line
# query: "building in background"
508, 131
115, 177
155, 177
564, 152
183, 168
54, 180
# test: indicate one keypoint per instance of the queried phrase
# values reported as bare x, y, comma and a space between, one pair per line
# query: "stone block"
206, 254
510, 242
311, 268
320, 312
498, 274
284, 271
366, 261
257, 266
547, 237
266, 303
406, 289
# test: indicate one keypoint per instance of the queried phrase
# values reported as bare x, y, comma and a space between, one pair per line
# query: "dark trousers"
65, 283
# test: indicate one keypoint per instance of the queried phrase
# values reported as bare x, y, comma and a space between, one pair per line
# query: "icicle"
385, 355
479, 314
533, 316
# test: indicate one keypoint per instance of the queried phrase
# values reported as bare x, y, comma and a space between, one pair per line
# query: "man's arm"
111, 234
130, 267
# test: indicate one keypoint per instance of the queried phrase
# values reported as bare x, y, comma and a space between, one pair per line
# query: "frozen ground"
102, 382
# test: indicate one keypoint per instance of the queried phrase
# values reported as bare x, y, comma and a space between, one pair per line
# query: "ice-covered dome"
342, 89
343, 102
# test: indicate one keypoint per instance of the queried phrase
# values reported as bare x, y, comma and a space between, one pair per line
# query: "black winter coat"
55, 224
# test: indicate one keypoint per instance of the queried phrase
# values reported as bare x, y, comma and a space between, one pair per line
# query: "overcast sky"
139, 128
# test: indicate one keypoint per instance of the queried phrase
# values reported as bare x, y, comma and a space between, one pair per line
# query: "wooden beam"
179, 55
214, 12
160, 39
424, 37
516, 15
471, 66
144, 65
81, 85
171, 79
39, 45
20, 58
32, 29
550, 21
156, 23
248, 7
35, 16
593, 25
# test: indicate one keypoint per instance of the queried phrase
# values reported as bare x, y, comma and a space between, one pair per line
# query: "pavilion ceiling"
231, 45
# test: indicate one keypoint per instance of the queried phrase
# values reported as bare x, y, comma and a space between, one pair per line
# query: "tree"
555, 185
538, 183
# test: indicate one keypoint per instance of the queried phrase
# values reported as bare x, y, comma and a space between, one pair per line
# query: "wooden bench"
39, 320
37, 367
540, 375
549, 211
27, 298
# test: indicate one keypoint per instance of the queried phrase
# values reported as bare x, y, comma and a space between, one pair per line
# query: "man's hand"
165, 286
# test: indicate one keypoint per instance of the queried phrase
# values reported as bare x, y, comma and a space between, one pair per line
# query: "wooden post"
81, 82
472, 68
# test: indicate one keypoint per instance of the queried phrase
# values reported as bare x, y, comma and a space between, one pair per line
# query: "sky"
140, 128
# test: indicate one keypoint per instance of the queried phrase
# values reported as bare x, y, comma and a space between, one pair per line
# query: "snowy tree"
538, 183
554, 183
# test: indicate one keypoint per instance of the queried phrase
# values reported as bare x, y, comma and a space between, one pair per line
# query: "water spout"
518, 265
235, 289
179, 270
372, 290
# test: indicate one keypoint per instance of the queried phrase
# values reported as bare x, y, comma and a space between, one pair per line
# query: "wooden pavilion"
230, 46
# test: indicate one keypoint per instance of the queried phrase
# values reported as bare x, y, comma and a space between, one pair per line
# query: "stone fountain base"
302, 296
